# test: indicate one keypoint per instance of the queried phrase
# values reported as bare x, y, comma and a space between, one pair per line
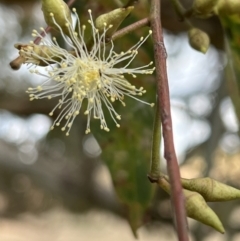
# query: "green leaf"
231, 25
126, 151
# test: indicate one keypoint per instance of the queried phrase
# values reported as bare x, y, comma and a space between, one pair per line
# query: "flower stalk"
156, 141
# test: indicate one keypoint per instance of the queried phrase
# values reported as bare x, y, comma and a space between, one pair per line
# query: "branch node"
152, 179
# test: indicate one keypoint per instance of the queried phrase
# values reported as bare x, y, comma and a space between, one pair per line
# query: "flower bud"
211, 190
113, 18
198, 40
196, 207
57, 12
204, 8
227, 7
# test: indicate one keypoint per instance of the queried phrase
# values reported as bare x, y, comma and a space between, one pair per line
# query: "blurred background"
86, 187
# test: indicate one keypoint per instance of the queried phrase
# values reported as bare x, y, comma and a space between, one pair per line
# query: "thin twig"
70, 3
130, 28
180, 10
43, 34
130, 3
165, 115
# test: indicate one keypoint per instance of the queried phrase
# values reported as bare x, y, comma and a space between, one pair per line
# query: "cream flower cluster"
83, 73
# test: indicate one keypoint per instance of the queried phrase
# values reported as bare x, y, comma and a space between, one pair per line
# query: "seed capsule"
17, 63
41, 55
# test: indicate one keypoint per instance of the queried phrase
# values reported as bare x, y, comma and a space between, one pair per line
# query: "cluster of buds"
86, 72
227, 7
197, 192
204, 8
198, 39
208, 8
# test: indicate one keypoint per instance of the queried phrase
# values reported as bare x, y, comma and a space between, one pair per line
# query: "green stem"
130, 3
180, 10
156, 140
164, 184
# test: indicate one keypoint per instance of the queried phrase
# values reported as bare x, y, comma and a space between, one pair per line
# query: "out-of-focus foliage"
231, 26
127, 152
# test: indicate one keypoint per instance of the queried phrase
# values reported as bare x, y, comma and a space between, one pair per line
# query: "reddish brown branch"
70, 2
130, 28
43, 34
165, 115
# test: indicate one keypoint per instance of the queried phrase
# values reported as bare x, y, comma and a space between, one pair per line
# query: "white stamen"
84, 74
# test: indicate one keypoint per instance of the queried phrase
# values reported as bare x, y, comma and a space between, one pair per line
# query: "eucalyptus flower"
83, 73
